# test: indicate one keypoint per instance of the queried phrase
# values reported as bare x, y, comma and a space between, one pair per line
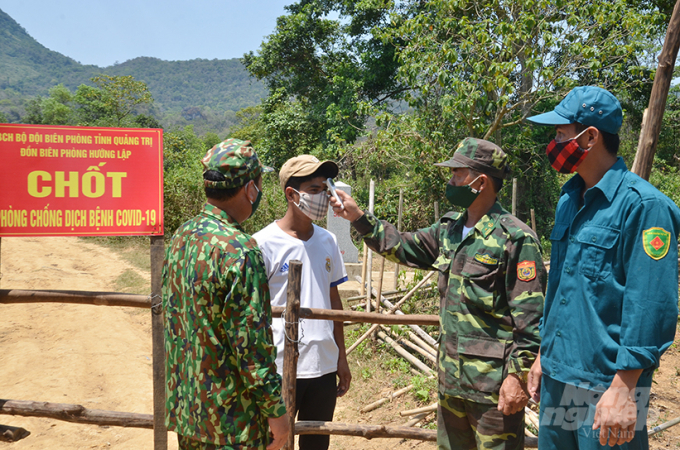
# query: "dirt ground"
100, 357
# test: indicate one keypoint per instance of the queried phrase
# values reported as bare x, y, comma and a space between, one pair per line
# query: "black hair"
296, 182
611, 141
218, 194
497, 182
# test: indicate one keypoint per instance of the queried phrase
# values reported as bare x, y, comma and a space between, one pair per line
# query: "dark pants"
315, 400
567, 415
466, 425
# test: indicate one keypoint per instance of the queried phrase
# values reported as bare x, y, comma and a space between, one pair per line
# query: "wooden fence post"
399, 216
290, 350
651, 125
160, 432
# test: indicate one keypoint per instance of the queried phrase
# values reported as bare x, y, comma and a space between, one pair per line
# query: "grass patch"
130, 282
133, 249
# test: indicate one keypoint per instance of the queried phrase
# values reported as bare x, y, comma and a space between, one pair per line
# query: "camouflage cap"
236, 160
480, 155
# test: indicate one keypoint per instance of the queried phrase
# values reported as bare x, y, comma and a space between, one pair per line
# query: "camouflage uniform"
221, 380
491, 285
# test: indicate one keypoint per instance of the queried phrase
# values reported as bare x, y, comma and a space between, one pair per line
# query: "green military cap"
480, 155
236, 160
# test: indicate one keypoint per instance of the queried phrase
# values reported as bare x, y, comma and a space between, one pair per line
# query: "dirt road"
100, 357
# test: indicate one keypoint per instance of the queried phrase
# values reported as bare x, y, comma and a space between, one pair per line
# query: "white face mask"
315, 206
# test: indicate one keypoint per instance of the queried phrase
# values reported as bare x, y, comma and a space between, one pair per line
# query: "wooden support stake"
380, 281
364, 262
649, 134
533, 221
160, 431
514, 197
337, 315
399, 217
436, 211
290, 350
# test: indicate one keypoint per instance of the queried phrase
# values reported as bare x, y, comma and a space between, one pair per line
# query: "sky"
103, 32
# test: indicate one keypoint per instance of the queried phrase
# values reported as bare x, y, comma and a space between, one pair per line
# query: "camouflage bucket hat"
236, 160
480, 155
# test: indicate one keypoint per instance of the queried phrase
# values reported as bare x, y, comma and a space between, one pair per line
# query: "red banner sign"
80, 181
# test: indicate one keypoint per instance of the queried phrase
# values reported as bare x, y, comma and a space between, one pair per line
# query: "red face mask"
566, 156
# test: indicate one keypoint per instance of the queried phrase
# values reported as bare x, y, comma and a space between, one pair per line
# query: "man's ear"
290, 193
593, 135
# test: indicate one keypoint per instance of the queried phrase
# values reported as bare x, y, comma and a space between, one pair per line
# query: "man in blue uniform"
612, 302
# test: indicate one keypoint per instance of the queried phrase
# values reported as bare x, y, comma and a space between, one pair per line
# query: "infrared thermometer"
331, 187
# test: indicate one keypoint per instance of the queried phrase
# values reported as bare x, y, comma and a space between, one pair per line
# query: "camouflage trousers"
464, 425
186, 443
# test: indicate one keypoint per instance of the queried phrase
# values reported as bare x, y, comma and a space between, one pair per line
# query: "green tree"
321, 70
122, 95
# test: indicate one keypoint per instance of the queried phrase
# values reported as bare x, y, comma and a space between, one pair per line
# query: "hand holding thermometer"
331, 187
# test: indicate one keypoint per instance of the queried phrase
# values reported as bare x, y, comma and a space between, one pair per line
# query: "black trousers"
315, 400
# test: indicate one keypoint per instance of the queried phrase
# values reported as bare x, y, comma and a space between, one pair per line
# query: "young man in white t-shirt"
321, 342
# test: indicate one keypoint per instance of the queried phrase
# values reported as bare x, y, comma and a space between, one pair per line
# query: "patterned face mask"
315, 206
566, 156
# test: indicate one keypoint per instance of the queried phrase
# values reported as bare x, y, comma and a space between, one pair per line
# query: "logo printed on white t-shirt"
284, 268
328, 264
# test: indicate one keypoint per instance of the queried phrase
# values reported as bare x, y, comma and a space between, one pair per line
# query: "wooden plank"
651, 126
77, 297
160, 431
290, 349
75, 413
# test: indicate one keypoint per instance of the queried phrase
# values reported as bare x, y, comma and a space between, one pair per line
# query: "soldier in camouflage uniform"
222, 388
491, 283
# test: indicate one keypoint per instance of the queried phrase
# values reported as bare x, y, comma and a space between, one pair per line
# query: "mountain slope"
27, 69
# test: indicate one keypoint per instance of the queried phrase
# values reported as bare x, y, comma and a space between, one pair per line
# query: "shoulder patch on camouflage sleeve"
526, 270
656, 241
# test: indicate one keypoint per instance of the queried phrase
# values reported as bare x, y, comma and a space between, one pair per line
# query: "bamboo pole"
392, 309
413, 412
75, 414
369, 262
531, 417
362, 288
361, 297
413, 326
405, 342
514, 197
377, 404
649, 134
436, 211
417, 418
399, 217
160, 431
663, 426
406, 355
414, 337
290, 350
533, 221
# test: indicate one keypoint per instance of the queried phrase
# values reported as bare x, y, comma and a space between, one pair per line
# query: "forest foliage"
388, 88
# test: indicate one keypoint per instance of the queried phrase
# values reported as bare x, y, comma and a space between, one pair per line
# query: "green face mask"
256, 203
462, 196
